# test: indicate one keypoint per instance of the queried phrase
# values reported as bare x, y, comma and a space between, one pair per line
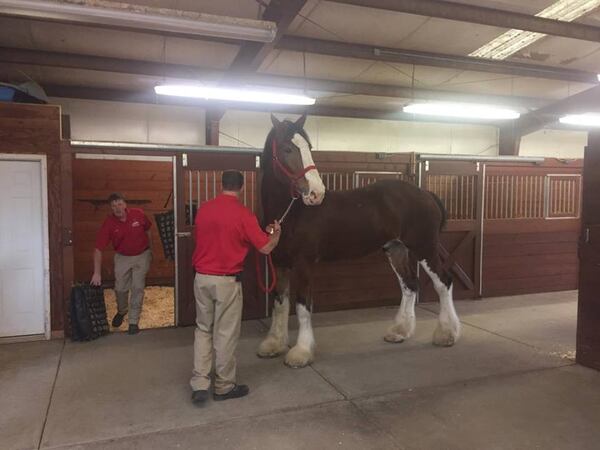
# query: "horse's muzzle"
313, 198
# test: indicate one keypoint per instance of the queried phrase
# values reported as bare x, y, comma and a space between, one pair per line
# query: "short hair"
115, 196
232, 180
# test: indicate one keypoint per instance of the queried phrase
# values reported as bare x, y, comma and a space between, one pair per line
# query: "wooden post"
213, 118
588, 311
509, 140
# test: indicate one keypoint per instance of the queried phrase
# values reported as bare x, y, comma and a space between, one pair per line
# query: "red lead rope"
259, 277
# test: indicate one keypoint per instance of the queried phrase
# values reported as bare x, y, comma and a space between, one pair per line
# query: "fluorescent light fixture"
585, 120
514, 40
236, 95
463, 110
141, 17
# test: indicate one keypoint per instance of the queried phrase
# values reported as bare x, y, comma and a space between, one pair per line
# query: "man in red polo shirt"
225, 231
128, 229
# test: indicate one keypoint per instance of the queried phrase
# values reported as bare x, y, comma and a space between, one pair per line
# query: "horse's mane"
265, 158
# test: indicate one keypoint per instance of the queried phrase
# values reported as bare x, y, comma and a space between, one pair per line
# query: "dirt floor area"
158, 310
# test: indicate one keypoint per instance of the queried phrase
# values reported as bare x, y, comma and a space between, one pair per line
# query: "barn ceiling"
359, 61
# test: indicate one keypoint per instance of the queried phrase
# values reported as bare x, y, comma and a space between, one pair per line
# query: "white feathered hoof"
271, 347
298, 357
446, 337
398, 333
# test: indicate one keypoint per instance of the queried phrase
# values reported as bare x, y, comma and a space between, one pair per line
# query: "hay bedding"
158, 310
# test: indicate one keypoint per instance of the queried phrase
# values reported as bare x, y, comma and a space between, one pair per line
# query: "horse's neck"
276, 198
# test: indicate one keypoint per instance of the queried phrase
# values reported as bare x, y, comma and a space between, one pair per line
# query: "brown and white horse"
392, 215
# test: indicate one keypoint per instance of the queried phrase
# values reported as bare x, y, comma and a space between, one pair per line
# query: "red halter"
293, 177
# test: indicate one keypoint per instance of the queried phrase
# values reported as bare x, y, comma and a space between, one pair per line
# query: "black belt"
238, 274
143, 251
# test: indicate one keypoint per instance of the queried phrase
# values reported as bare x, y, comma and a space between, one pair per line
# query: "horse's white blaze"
306, 339
448, 319
316, 187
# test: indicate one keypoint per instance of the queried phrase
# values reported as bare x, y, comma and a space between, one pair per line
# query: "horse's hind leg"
405, 270
276, 342
447, 332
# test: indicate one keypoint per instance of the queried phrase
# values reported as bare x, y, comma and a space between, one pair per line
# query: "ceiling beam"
252, 54
484, 16
19, 57
588, 100
117, 95
396, 55
140, 17
511, 133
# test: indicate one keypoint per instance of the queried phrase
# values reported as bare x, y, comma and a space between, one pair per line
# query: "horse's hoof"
271, 348
297, 358
444, 343
268, 355
393, 338
399, 332
295, 366
445, 338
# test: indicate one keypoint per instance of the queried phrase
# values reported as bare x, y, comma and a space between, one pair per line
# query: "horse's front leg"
276, 342
303, 352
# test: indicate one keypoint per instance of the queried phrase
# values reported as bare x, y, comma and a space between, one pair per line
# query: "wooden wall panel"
356, 283
529, 262
150, 182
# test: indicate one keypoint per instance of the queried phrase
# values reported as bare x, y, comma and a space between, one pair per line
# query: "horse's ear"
276, 123
300, 122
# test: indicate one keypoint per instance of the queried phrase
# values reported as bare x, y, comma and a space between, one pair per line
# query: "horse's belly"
356, 247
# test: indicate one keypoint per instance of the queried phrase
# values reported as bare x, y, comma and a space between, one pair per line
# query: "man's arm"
274, 231
97, 276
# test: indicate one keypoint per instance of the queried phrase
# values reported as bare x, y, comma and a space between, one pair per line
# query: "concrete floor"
510, 383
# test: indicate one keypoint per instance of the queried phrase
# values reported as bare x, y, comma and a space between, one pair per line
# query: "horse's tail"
442, 210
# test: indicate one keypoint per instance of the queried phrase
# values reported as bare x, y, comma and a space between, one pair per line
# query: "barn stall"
513, 222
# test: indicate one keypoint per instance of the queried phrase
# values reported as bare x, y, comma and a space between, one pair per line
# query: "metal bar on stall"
266, 287
190, 196
214, 184
198, 192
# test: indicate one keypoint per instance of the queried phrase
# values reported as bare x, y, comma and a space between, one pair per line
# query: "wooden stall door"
199, 180
588, 314
459, 185
531, 227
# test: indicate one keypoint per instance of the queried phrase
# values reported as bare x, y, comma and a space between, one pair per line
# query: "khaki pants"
130, 274
218, 319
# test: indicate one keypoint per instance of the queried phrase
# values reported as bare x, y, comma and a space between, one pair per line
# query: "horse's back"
393, 194
356, 222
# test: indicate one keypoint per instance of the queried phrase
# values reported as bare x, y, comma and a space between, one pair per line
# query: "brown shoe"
239, 390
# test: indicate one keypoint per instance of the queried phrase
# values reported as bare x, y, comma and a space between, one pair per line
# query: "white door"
22, 284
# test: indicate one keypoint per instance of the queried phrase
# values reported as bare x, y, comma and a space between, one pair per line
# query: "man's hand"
274, 231
273, 228
96, 280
